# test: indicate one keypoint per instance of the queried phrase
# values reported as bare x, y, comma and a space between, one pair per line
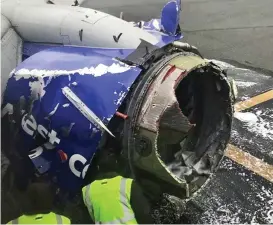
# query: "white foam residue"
225, 213
120, 63
246, 117
266, 196
54, 110
224, 65
244, 83
256, 123
97, 71
242, 139
48, 81
243, 98
219, 210
66, 105
95, 130
221, 64
122, 94
37, 88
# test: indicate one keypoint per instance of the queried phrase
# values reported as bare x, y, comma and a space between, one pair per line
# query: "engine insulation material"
97, 79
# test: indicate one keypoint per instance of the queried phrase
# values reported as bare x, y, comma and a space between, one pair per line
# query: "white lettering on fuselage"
29, 125
85, 170
35, 152
72, 162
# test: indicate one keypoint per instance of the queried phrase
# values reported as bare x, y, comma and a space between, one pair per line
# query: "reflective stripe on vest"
88, 200
58, 219
14, 221
128, 215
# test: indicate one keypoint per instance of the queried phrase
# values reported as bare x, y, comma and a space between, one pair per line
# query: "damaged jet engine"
179, 121
161, 105
175, 125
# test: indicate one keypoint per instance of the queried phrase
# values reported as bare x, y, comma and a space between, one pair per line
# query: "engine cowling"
181, 121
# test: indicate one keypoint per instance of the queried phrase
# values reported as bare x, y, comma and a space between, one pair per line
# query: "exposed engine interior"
177, 127
180, 124
204, 99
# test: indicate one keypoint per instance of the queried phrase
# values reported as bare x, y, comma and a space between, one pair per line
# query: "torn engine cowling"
180, 122
179, 109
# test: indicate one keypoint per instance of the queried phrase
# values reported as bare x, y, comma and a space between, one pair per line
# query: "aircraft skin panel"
110, 32
38, 24
74, 26
43, 2
30, 48
98, 80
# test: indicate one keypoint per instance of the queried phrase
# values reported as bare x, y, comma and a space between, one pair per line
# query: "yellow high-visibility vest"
49, 218
108, 201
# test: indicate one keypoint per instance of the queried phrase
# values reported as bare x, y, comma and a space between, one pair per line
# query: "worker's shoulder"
15, 220
65, 220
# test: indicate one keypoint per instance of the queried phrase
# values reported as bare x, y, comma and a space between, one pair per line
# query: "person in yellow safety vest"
37, 209
113, 199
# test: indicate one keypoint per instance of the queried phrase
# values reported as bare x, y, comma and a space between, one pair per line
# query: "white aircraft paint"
36, 152
72, 161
